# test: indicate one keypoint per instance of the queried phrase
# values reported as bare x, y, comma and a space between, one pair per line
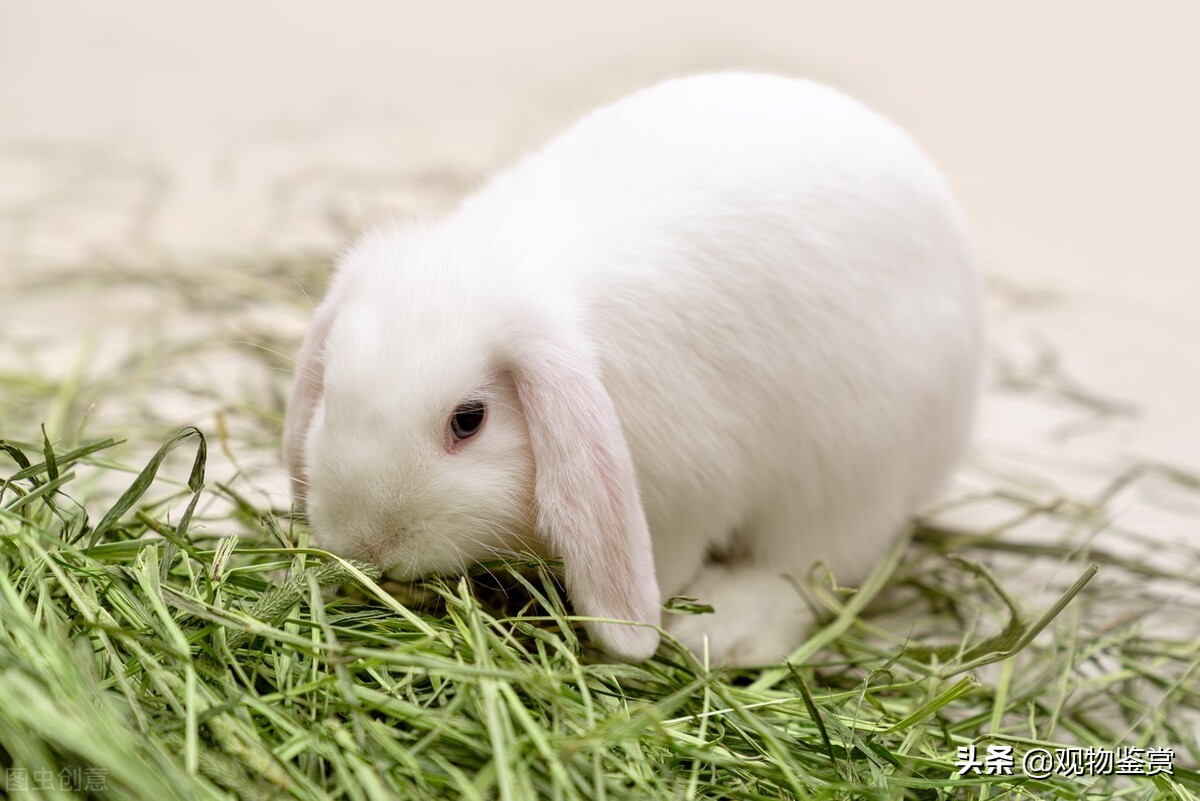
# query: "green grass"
189, 660
168, 634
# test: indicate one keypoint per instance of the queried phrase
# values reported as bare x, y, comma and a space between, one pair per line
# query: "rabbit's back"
780, 287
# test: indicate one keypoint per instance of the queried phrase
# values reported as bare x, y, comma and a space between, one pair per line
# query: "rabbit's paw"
758, 616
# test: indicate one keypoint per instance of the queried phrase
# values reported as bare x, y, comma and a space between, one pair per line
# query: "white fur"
738, 310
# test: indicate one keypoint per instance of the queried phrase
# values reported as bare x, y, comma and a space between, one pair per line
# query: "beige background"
1069, 128
142, 130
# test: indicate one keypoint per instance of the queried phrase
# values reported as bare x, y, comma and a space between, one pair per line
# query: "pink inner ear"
588, 507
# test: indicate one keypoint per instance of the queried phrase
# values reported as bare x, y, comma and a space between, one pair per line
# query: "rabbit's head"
437, 420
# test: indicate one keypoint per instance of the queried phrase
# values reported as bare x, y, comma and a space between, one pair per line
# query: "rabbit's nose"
371, 550
371, 545
370, 553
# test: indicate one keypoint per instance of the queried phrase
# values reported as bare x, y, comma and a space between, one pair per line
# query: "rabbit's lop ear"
588, 510
307, 387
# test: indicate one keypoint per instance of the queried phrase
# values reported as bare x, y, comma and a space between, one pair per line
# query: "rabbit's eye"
467, 420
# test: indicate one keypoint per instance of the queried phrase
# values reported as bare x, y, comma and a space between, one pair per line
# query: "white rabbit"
715, 333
